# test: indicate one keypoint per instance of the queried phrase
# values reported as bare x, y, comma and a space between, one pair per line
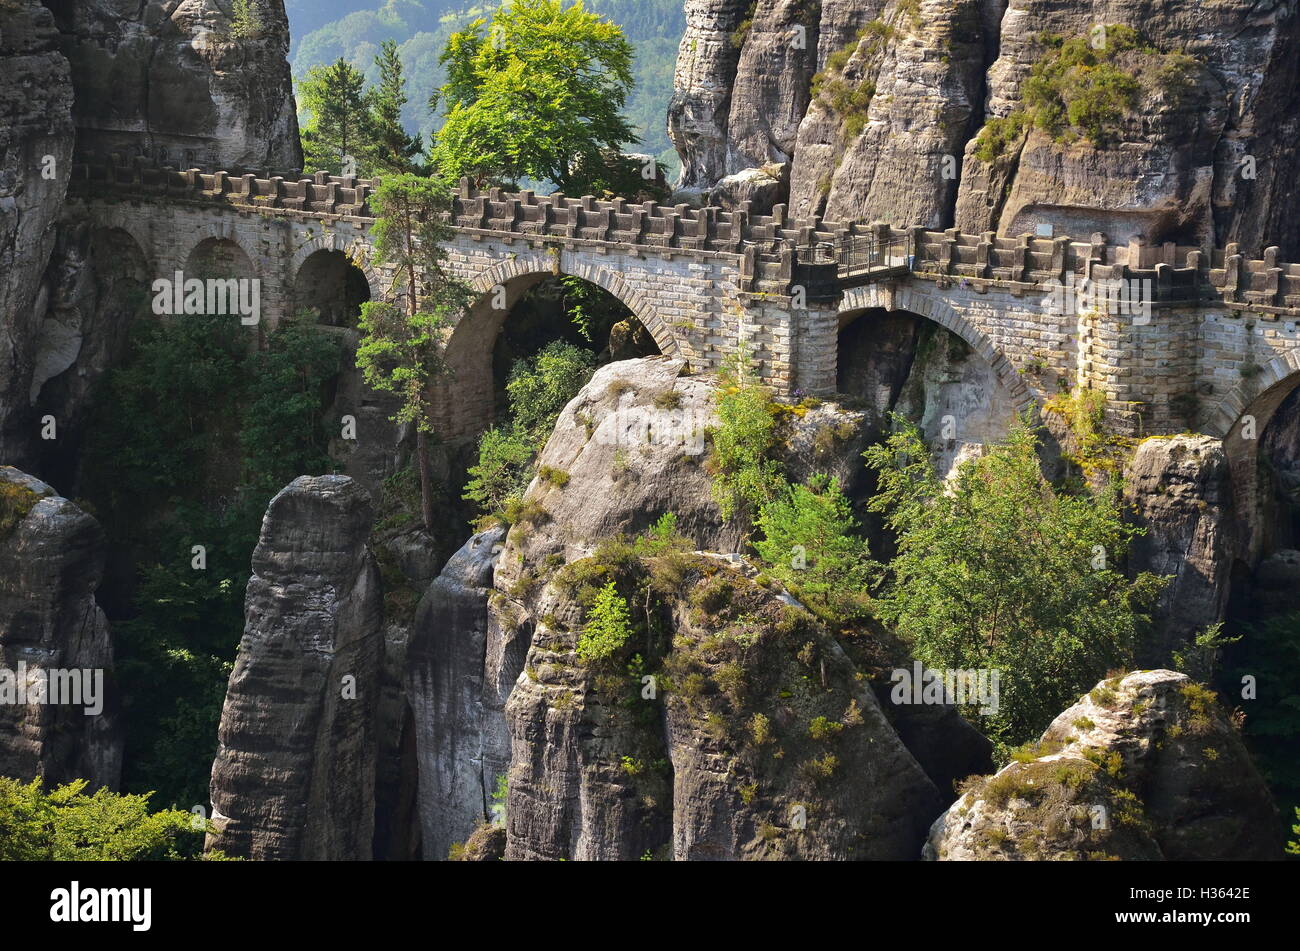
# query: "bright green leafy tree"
995, 570
608, 626
66, 824
536, 92
810, 543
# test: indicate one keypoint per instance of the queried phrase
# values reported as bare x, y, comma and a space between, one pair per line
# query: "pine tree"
401, 346
339, 130
394, 150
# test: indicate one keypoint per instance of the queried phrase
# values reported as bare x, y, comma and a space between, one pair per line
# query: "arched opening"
516, 320
329, 284
1263, 605
900, 362
84, 333
219, 259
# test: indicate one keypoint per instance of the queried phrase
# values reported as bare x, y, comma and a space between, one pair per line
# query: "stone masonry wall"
1220, 329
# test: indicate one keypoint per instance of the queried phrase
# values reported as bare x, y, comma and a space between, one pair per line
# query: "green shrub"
967, 591
539, 388
810, 544
607, 628
745, 474
66, 824
503, 470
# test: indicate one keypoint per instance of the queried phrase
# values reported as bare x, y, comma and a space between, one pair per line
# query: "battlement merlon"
769, 243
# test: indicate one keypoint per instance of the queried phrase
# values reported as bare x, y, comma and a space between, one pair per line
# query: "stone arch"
540, 265
466, 403
331, 283
220, 247
1263, 394
956, 386
1258, 401
356, 251
876, 297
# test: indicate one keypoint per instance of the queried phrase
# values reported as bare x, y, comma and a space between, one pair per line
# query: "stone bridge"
1218, 343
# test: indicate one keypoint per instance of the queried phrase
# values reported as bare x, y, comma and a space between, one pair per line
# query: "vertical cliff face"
294, 775
36, 140
705, 73
51, 561
897, 96
1219, 86
175, 81
890, 97
455, 700
1181, 495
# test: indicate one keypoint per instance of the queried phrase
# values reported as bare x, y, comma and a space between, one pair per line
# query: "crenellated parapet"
1218, 328
320, 194
776, 250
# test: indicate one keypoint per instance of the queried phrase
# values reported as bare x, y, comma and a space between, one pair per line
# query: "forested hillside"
324, 31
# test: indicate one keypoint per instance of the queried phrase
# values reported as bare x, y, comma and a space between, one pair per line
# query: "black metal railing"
865, 254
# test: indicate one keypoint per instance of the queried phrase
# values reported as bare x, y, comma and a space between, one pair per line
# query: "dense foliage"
810, 543
995, 570
745, 476
535, 93
1269, 653
189, 439
538, 389
608, 626
66, 824
354, 29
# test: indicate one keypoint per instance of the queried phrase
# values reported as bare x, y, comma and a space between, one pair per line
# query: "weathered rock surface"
172, 81
632, 444
457, 699
1175, 171
36, 142
1146, 766
1180, 490
902, 89
702, 82
761, 187
51, 561
767, 745
294, 775
895, 157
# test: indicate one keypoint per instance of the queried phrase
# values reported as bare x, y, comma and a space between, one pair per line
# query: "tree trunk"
426, 479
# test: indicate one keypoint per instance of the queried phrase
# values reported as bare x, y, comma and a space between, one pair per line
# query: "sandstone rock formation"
879, 116
36, 141
761, 187
631, 444
294, 775
1180, 490
1146, 766
457, 696
51, 561
1176, 171
878, 140
768, 745
702, 82
173, 81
